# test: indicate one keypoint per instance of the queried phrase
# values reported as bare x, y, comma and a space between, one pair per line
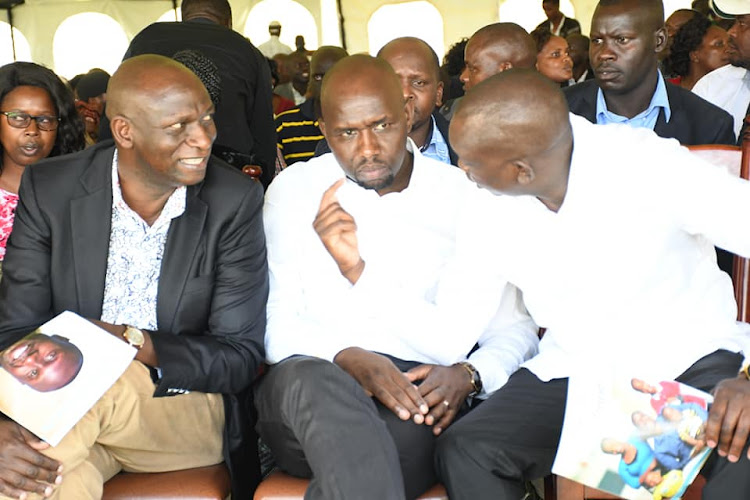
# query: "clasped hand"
435, 401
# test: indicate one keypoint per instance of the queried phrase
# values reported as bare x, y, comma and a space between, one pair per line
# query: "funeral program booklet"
635, 438
53, 376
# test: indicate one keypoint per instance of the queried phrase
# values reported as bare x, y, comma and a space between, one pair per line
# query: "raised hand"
444, 388
380, 378
338, 232
729, 418
23, 469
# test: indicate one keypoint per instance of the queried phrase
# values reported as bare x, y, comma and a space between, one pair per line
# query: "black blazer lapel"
91, 222
182, 242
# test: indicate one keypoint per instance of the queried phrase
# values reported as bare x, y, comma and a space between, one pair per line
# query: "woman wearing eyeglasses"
38, 119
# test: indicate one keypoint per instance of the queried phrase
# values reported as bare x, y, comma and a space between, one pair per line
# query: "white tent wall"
38, 20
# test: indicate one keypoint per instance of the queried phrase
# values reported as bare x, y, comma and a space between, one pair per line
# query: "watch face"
134, 336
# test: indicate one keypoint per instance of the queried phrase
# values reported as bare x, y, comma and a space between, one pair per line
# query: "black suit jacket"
212, 289
244, 115
693, 121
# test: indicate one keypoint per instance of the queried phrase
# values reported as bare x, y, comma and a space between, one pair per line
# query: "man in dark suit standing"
626, 38
244, 115
162, 246
557, 23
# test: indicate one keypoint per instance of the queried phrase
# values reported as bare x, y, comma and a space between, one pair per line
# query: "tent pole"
341, 24
12, 36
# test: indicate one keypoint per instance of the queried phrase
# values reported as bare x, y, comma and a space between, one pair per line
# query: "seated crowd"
374, 316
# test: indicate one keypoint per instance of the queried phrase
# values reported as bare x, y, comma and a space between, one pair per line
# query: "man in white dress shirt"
729, 86
611, 245
372, 323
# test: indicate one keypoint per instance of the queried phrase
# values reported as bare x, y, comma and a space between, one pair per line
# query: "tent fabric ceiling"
38, 19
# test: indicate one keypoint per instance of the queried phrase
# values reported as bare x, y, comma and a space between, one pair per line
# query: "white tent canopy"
72, 36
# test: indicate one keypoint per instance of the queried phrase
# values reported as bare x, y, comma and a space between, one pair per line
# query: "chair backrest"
737, 161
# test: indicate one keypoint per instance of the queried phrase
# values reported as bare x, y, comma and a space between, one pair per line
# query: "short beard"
378, 184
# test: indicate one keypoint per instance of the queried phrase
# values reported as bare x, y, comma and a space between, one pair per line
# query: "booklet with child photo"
637, 439
53, 376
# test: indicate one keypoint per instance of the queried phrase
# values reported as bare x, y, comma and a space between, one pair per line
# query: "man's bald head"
161, 118
359, 75
145, 76
322, 60
365, 121
412, 45
519, 104
512, 134
495, 48
418, 68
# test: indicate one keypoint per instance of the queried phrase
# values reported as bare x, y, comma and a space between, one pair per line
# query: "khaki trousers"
128, 429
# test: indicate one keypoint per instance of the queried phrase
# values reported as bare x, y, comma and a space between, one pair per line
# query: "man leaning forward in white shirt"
611, 231
372, 322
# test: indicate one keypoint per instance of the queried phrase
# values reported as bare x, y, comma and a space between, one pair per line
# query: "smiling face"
554, 60
24, 146
162, 121
625, 41
43, 363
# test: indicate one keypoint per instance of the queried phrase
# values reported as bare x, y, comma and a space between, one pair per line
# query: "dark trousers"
320, 424
513, 437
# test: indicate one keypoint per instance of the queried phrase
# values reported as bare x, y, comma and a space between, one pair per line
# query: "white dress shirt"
729, 88
414, 300
624, 274
274, 46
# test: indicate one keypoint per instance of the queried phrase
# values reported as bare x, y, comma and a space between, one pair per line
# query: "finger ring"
446, 403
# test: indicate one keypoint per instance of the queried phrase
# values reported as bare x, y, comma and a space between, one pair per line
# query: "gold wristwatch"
745, 371
476, 379
134, 336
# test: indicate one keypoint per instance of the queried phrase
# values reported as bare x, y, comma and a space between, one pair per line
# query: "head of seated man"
626, 39
418, 68
365, 120
43, 362
495, 48
513, 136
162, 122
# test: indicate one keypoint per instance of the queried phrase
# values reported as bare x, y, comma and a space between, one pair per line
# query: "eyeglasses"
17, 119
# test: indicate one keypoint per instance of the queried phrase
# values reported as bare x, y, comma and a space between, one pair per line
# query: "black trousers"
320, 424
513, 437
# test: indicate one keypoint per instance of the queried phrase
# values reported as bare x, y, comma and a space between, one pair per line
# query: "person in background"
579, 54
453, 65
699, 47
91, 99
280, 104
274, 46
416, 65
40, 121
556, 22
297, 129
299, 69
244, 116
553, 56
729, 86
673, 23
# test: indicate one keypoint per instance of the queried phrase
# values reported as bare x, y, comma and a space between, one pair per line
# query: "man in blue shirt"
418, 68
626, 38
